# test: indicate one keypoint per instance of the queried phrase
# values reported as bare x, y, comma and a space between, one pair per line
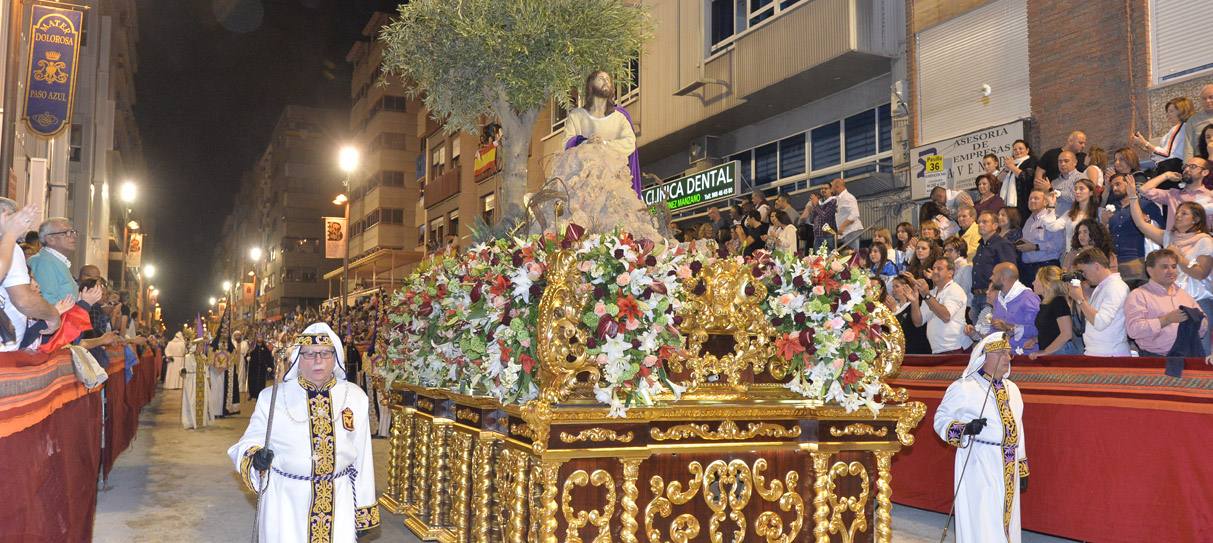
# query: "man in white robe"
215, 390
316, 478
195, 409
175, 352
241, 365
983, 412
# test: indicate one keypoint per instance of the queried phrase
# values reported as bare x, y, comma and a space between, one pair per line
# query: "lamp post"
126, 193
347, 160
254, 254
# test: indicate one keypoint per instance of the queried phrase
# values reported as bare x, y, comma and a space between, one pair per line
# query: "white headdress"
317, 333
993, 342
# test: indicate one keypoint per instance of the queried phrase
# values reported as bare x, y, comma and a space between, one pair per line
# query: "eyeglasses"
318, 355
1197, 166
70, 233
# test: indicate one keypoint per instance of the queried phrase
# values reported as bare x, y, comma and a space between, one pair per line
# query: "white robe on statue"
295, 504
614, 129
987, 501
175, 352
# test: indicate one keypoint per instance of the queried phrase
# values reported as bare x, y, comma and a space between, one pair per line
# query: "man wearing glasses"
51, 266
1191, 189
315, 478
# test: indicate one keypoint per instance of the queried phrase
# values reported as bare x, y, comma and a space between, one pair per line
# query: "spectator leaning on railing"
21, 302
51, 266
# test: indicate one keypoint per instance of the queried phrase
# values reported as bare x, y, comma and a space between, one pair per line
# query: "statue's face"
602, 84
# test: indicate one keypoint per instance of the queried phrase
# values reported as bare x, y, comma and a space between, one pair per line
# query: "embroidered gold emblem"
347, 419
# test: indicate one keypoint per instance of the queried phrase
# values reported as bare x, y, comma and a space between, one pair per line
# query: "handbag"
87, 370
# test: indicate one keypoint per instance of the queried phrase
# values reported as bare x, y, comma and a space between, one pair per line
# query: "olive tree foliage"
506, 59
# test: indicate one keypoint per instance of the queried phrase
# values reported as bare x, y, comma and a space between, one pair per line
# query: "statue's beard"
604, 92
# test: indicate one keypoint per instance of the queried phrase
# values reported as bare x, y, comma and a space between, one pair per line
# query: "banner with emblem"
134, 251
335, 235
53, 55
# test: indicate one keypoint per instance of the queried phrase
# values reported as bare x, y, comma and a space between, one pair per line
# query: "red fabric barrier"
50, 476
1106, 439
118, 430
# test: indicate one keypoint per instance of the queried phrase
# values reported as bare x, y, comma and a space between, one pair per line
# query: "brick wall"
1088, 65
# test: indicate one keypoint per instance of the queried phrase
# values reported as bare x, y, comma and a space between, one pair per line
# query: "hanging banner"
247, 290
53, 55
955, 163
134, 251
335, 234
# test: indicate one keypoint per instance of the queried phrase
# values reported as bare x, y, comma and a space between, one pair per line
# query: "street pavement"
179, 485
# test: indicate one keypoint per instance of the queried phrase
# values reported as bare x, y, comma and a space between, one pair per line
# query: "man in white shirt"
21, 302
847, 215
1104, 314
942, 309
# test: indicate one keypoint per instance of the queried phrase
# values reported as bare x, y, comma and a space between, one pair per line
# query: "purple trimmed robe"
633, 159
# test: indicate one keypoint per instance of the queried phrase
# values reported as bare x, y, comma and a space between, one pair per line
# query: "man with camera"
942, 308
1104, 312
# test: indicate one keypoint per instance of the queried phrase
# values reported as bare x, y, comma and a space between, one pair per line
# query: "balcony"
442, 187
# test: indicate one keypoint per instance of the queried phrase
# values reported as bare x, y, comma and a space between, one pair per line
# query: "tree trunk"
515, 142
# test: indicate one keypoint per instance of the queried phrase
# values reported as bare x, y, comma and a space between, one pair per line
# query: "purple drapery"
633, 159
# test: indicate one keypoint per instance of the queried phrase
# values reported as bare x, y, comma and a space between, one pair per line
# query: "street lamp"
347, 159
149, 271
212, 301
227, 285
254, 254
127, 193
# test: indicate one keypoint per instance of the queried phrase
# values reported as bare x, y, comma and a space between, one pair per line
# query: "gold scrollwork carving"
596, 435
727, 486
522, 430
859, 429
561, 339
468, 414
854, 504
884, 497
907, 421
627, 517
426, 404
725, 307
578, 519
726, 430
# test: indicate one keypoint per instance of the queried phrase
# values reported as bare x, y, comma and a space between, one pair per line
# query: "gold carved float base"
467, 470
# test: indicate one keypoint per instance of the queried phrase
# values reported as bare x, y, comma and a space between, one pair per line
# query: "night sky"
213, 77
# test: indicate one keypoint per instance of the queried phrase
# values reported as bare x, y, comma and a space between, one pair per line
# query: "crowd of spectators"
46, 305
1076, 250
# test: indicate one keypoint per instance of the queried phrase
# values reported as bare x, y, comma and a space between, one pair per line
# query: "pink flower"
785, 299
631, 324
649, 361
848, 335
819, 290
835, 323
600, 308
836, 364
584, 266
623, 279
684, 271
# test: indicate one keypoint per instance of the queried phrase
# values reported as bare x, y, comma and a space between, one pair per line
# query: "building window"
627, 86
394, 103
791, 156
826, 146
766, 164
726, 18
455, 148
420, 166
394, 215
860, 135
438, 159
1178, 50
373, 217
421, 234
452, 220
392, 178
884, 125
488, 203
77, 137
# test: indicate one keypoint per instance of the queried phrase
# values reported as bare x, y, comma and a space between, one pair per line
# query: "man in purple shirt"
1015, 308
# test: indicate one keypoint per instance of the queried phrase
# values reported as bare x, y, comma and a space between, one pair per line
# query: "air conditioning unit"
703, 148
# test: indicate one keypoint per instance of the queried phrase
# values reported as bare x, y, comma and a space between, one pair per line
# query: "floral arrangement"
828, 328
634, 294
468, 324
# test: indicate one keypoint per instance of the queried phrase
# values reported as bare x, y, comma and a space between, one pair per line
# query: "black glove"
262, 459
974, 427
1023, 484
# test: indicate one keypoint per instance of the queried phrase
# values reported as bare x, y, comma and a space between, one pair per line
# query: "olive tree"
472, 60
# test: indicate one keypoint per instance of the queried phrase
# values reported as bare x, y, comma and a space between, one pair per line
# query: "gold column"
393, 497
482, 498
884, 497
517, 528
549, 472
821, 497
627, 517
408, 444
418, 508
439, 476
461, 446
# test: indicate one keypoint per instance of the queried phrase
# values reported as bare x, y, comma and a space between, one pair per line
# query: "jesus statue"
600, 165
